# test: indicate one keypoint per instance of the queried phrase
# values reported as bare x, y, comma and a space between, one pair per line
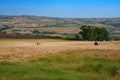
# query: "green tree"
77, 37
105, 34
94, 33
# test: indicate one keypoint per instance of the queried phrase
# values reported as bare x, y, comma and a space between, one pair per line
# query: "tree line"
91, 33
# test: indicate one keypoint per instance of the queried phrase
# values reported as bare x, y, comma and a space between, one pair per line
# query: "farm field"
51, 59
36, 25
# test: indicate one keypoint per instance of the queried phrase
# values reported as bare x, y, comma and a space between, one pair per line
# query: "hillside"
35, 25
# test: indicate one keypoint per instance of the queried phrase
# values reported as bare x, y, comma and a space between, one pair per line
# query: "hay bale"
96, 43
38, 43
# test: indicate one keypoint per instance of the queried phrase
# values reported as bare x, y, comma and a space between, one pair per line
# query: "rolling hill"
50, 26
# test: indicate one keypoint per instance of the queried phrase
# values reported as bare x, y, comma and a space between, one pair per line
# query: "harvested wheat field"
46, 59
20, 50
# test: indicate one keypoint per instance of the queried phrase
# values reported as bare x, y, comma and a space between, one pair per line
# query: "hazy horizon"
61, 8
59, 17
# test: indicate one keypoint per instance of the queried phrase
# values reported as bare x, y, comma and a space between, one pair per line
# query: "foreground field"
69, 65
19, 50
59, 60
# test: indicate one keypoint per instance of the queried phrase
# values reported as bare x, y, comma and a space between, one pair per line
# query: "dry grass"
59, 60
28, 49
70, 30
61, 30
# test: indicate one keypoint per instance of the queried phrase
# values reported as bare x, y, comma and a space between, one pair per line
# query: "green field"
68, 65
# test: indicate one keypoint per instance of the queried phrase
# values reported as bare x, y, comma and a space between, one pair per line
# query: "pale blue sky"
61, 8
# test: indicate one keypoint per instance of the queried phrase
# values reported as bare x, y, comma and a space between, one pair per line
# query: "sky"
62, 8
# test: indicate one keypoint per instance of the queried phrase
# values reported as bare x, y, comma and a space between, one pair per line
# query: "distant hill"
35, 25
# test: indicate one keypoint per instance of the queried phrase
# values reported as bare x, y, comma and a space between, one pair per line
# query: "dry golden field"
61, 30
20, 50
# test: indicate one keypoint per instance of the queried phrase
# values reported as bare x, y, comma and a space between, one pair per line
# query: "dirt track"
27, 50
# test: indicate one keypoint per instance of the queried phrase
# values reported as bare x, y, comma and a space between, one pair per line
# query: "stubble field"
59, 60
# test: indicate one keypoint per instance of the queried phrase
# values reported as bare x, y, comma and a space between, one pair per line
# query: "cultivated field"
28, 49
22, 59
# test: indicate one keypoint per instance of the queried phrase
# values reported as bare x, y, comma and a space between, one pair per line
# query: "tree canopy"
92, 33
